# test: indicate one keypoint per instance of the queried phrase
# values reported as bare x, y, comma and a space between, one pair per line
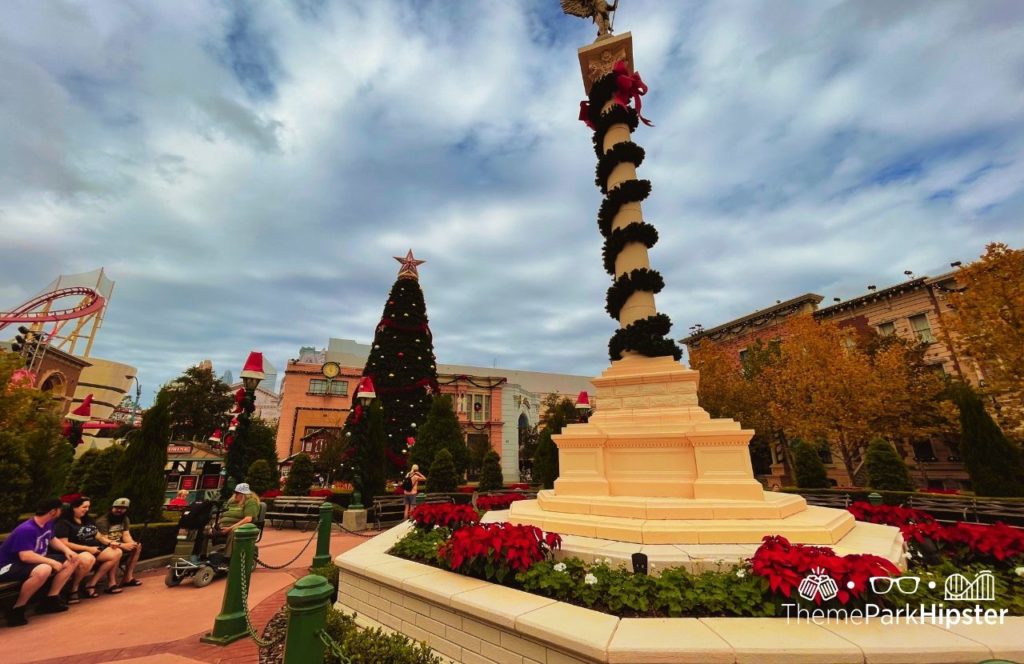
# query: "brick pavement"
277, 548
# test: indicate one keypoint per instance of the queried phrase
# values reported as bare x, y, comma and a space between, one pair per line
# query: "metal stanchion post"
323, 537
308, 602
230, 625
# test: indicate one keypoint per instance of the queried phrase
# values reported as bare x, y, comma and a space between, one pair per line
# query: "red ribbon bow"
630, 86
358, 414
585, 113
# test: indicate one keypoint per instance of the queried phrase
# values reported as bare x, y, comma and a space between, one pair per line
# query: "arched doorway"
526, 444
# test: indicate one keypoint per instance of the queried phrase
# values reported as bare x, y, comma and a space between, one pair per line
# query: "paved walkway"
154, 624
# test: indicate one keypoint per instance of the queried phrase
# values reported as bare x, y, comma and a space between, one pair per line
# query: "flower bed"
444, 515
521, 557
961, 543
499, 502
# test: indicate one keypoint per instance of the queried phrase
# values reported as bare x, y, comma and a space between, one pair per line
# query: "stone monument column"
649, 436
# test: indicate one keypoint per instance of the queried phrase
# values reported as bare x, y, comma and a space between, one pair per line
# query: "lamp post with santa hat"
365, 394
252, 374
75, 420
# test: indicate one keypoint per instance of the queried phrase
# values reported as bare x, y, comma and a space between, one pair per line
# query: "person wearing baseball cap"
114, 532
243, 507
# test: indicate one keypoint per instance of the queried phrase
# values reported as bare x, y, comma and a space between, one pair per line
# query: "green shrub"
259, 476
15, 479
992, 460
373, 646
99, 479
442, 476
157, 539
330, 571
732, 591
807, 466
421, 545
490, 474
301, 476
886, 469
545, 460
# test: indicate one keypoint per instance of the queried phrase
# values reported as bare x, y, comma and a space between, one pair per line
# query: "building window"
461, 404
887, 329
332, 387
743, 356
923, 451
922, 330
481, 409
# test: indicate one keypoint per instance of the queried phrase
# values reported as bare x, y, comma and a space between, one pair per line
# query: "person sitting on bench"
25, 557
243, 508
79, 532
114, 531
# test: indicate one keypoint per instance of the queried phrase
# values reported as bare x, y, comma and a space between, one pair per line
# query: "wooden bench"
295, 509
389, 510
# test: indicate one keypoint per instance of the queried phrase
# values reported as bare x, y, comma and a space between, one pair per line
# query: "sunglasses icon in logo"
882, 585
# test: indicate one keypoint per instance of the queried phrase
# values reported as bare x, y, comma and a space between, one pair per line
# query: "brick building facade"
915, 309
491, 403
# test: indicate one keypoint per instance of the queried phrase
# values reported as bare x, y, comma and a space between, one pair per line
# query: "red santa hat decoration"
84, 411
365, 390
583, 401
215, 437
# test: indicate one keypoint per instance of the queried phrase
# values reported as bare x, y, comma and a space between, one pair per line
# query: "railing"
945, 508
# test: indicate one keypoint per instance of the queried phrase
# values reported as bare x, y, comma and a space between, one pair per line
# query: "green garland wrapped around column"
607, 107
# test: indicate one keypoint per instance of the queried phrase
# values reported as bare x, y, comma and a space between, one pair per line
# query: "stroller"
200, 555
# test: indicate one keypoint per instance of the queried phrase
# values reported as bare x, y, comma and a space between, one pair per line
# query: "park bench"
305, 509
389, 510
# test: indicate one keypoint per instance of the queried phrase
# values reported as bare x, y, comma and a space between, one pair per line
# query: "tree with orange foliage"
988, 323
729, 388
822, 388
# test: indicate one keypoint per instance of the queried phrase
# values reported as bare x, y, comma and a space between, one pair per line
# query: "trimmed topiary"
807, 466
491, 478
886, 468
442, 477
993, 461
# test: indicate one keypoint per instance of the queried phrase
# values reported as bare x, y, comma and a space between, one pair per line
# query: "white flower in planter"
560, 567
1019, 571
740, 573
607, 561
590, 579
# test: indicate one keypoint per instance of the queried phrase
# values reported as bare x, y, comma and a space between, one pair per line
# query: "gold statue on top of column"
599, 11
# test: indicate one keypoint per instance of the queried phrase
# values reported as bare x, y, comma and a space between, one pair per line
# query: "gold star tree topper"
409, 264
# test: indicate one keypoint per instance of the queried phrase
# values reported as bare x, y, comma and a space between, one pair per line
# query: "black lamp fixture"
955, 264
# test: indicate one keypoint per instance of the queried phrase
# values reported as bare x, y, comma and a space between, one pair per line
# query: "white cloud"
246, 172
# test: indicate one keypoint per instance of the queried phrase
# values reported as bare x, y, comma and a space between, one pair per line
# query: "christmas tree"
401, 364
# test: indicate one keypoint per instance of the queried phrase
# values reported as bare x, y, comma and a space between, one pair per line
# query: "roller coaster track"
37, 310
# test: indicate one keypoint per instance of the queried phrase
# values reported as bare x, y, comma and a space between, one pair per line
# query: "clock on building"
330, 369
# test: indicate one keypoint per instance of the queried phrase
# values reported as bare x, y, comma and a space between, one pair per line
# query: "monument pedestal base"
809, 525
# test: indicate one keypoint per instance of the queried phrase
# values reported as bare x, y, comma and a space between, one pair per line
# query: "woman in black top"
79, 532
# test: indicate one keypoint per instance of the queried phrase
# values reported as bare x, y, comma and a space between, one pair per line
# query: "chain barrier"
245, 608
289, 563
333, 646
373, 533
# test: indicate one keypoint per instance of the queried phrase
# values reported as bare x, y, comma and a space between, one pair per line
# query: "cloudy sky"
245, 171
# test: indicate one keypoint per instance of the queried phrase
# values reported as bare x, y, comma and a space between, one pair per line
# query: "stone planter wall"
476, 622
